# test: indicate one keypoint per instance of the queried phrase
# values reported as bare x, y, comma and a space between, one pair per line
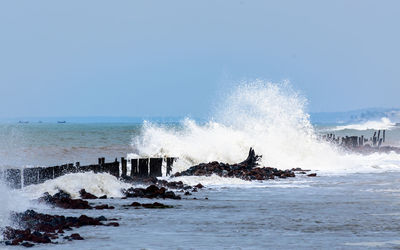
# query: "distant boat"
23, 122
61, 122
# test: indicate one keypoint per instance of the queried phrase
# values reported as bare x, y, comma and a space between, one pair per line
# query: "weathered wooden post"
155, 167
134, 167
31, 176
123, 166
354, 141
170, 162
95, 168
384, 135
380, 143
46, 174
58, 171
13, 178
102, 167
144, 167
374, 139
71, 168
115, 168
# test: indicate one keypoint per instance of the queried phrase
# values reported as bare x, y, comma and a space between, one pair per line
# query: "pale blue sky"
173, 58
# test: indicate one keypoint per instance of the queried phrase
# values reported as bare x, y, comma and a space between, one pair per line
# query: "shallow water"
353, 211
353, 203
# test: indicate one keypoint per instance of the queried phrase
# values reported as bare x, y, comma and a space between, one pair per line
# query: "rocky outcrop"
64, 200
86, 195
148, 205
246, 170
44, 228
151, 192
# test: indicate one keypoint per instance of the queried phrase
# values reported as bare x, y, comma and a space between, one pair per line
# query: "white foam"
215, 181
383, 124
11, 201
97, 184
268, 117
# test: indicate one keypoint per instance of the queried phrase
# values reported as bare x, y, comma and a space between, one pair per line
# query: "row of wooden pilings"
142, 167
357, 141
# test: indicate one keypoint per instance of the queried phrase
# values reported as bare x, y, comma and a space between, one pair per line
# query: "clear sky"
172, 58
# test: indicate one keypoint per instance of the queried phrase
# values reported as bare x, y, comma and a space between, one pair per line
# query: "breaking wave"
97, 184
383, 124
11, 200
271, 118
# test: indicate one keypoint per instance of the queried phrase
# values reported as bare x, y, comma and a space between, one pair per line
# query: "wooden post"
101, 165
379, 134
155, 167
13, 178
31, 176
374, 139
144, 167
95, 168
384, 135
354, 141
123, 166
380, 143
71, 168
115, 168
46, 174
134, 167
170, 162
58, 171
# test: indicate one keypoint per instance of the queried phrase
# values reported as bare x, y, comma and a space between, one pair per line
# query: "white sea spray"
271, 118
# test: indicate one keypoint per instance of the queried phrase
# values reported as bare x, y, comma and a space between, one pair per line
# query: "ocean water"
352, 204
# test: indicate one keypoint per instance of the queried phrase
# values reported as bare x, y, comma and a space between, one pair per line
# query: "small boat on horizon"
61, 122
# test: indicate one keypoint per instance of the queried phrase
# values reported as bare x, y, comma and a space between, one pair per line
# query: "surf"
271, 118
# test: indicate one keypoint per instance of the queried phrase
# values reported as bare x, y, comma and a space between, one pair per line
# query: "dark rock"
101, 218
156, 205
27, 244
112, 224
76, 237
105, 206
63, 200
42, 228
199, 186
151, 192
103, 197
312, 175
246, 170
135, 204
149, 205
86, 195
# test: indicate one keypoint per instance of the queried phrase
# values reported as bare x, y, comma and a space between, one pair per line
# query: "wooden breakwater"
142, 167
363, 144
375, 140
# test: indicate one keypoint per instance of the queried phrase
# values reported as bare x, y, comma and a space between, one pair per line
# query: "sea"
353, 203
